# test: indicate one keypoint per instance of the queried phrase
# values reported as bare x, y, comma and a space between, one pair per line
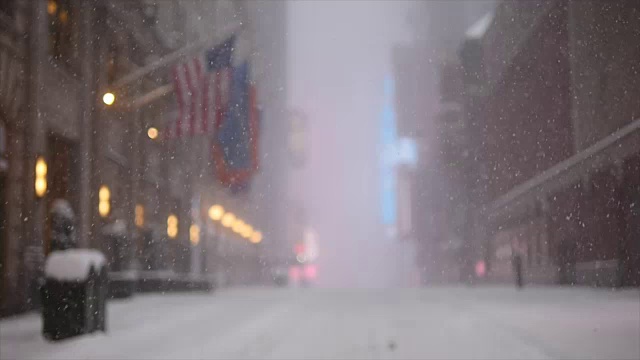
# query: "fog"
339, 55
197, 179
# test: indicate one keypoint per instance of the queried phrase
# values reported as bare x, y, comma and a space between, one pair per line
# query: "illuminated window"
139, 216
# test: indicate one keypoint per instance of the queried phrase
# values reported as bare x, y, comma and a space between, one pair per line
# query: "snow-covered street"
443, 323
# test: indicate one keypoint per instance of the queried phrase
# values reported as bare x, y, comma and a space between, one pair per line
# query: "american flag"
201, 85
237, 123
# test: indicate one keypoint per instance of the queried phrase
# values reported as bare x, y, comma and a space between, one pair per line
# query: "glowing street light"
216, 212
172, 226
152, 133
228, 219
256, 237
104, 204
238, 226
247, 231
139, 216
108, 98
194, 234
52, 7
41, 177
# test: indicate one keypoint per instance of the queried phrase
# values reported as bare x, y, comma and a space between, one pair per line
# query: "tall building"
271, 183
59, 138
560, 142
437, 28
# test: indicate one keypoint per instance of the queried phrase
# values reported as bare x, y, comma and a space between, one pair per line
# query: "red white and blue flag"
235, 139
216, 95
201, 85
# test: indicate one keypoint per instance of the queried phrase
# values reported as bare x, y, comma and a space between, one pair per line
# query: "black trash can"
74, 298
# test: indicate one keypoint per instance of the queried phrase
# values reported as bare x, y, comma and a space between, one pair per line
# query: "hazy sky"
339, 54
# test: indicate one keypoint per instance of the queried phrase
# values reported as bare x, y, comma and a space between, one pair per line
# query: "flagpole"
174, 57
151, 96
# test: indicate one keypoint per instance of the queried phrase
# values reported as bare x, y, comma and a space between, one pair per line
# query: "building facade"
559, 145
57, 60
427, 109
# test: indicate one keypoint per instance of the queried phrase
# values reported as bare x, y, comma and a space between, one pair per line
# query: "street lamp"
216, 212
172, 226
247, 231
228, 219
256, 237
41, 177
52, 7
139, 218
104, 204
238, 226
152, 133
194, 234
108, 98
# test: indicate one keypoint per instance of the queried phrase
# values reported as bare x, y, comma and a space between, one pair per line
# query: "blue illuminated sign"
388, 159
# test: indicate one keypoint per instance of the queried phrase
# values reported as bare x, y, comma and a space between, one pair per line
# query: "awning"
615, 147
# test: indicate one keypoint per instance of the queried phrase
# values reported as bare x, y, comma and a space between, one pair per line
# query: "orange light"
41, 177
172, 226
238, 226
104, 194
139, 218
64, 16
228, 220
247, 231
52, 7
104, 204
194, 234
216, 212
152, 133
104, 208
256, 237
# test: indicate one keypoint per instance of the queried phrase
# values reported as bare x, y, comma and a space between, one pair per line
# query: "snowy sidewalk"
443, 323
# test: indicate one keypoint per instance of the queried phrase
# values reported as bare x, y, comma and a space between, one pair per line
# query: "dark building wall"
561, 77
604, 49
528, 126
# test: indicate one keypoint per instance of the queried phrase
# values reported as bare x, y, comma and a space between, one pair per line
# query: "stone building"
559, 140
57, 60
63, 141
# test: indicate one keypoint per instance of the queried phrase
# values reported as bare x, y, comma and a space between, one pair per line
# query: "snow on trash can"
74, 293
